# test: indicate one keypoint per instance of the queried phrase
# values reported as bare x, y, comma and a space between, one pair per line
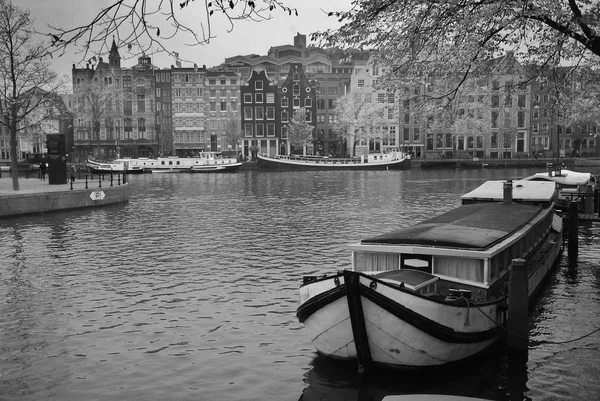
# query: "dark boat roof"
475, 226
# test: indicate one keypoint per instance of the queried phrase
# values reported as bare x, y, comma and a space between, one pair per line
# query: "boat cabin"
470, 247
571, 186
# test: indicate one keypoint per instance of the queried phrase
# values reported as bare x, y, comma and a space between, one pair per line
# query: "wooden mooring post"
518, 307
573, 230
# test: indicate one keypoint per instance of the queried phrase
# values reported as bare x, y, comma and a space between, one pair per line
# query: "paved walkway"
35, 185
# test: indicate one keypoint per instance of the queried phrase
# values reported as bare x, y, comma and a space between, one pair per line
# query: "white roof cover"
566, 177
522, 190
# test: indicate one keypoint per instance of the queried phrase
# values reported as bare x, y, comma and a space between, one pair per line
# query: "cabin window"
416, 262
461, 268
372, 261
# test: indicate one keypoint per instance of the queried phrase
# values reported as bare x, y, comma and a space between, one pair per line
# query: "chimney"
507, 188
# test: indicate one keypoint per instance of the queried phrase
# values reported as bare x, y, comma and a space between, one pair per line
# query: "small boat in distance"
432, 294
205, 162
372, 161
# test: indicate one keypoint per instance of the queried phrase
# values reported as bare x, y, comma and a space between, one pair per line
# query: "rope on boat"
537, 342
468, 309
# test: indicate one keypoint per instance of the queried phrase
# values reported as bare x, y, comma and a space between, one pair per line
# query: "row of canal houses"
183, 110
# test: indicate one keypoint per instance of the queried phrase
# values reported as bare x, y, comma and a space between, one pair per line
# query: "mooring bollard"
72, 181
124, 178
86, 187
99, 180
118, 178
573, 230
111, 179
518, 306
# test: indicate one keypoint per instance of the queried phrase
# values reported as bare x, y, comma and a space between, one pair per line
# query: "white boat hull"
215, 168
392, 161
390, 340
356, 316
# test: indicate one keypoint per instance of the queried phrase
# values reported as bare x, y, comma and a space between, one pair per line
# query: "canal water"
189, 292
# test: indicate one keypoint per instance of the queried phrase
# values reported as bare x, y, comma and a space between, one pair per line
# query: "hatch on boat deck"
416, 280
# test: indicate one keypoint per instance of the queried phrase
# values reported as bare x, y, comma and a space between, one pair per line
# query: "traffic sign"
97, 195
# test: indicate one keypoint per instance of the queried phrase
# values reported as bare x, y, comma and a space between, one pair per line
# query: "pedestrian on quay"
43, 171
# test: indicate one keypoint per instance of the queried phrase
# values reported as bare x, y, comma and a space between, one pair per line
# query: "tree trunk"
97, 133
13, 148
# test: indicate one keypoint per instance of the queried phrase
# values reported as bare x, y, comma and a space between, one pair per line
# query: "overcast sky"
246, 37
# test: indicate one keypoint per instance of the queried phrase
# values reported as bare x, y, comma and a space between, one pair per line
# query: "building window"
495, 101
284, 116
521, 119
128, 106
247, 97
270, 98
127, 83
308, 102
361, 83
259, 97
248, 130
270, 129
284, 132
296, 90
247, 113
259, 113
494, 119
260, 130
296, 102
284, 102
141, 103
270, 113
258, 85
296, 77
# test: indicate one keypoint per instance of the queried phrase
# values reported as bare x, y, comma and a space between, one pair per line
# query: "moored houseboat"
372, 161
432, 294
130, 166
203, 162
571, 186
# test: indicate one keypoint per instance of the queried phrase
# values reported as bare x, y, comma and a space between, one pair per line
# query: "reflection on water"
189, 292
